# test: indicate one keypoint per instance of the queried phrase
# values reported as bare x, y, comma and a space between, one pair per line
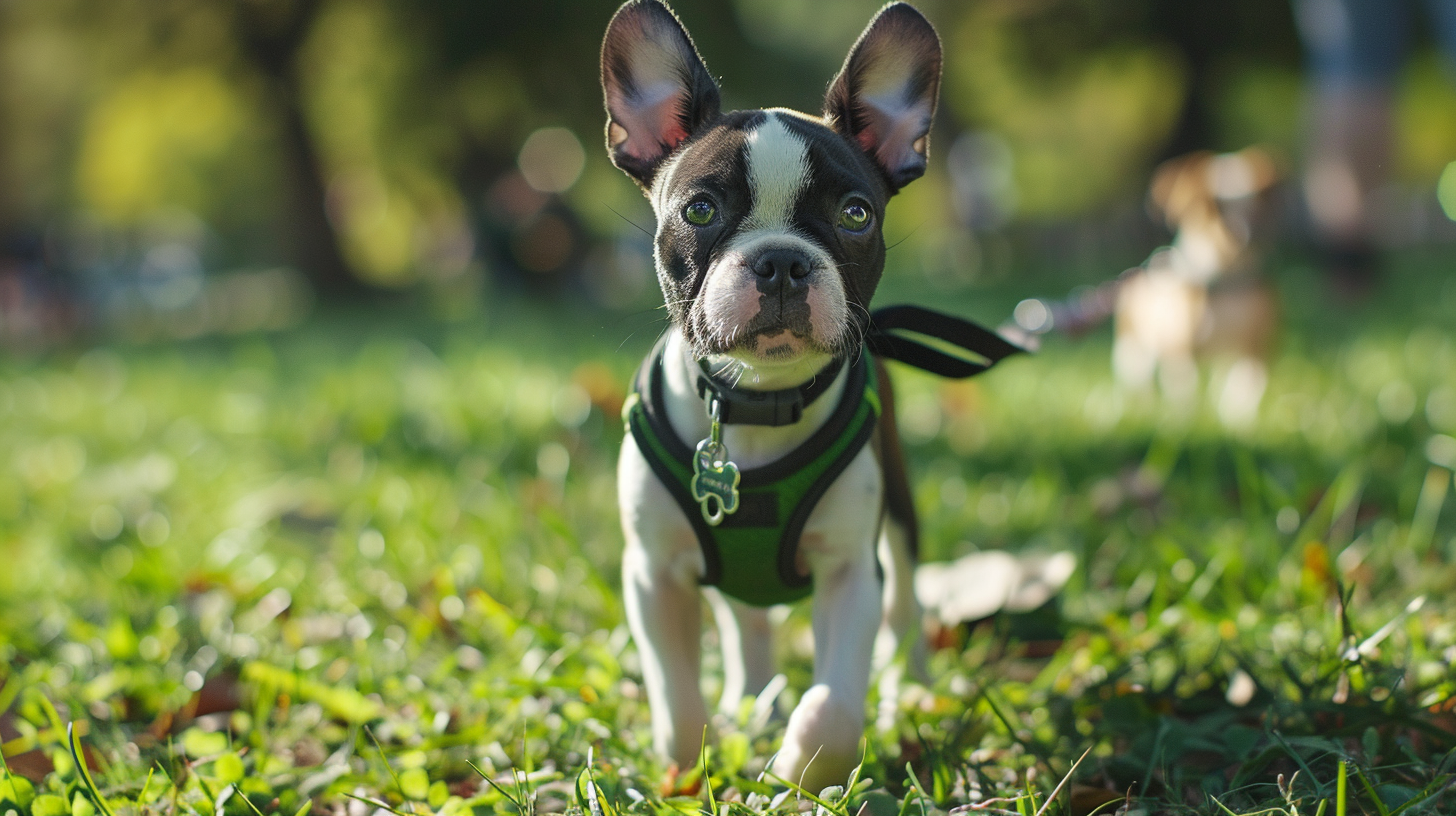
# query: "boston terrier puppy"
762, 460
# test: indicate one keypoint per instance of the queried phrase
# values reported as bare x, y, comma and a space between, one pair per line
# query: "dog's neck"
766, 375
1207, 249
750, 445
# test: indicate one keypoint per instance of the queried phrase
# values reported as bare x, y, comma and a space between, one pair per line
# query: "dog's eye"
700, 213
854, 217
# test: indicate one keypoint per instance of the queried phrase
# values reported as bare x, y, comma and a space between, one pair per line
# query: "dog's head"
769, 242
1215, 203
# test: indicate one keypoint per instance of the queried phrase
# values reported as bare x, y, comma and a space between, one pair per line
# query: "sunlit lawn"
344, 564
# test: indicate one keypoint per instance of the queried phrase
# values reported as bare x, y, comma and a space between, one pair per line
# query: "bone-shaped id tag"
715, 479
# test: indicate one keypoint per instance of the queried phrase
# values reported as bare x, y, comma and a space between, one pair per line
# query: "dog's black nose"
782, 266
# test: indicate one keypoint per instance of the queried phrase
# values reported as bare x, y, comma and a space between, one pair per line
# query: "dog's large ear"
884, 96
658, 91
1179, 184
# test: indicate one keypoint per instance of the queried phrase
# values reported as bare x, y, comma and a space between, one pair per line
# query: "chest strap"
775, 500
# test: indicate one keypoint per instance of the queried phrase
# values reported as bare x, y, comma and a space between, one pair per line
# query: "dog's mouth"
782, 345
760, 340
770, 360
782, 328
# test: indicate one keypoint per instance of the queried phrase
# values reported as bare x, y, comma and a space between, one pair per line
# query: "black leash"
891, 331
890, 334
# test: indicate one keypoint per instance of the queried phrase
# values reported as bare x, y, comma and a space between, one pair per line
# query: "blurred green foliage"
405, 115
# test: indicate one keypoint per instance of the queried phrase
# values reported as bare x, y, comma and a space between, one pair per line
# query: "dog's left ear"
884, 96
1178, 184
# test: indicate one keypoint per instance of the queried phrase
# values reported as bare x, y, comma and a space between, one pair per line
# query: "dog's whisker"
629, 221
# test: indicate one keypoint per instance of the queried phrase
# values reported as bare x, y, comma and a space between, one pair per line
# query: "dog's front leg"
661, 566
665, 621
821, 743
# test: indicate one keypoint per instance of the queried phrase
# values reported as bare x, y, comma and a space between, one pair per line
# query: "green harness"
774, 501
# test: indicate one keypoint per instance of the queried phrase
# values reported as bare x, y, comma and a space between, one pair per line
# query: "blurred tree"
8, 185
271, 33
381, 109
120, 113
376, 140
1216, 39
40, 79
1076, 88
1089, 94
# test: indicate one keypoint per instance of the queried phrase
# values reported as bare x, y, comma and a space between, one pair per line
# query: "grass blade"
1367, 646
1340, 785
74, 743
707, 776
1061, 784
1428, 510
377, 803
491, 782
1370, 790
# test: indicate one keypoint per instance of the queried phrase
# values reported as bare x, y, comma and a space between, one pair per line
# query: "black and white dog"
769, 246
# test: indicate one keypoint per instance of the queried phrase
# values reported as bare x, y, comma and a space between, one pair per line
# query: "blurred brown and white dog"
1204, 297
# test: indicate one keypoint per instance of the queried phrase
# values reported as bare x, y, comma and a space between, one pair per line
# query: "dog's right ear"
658, 92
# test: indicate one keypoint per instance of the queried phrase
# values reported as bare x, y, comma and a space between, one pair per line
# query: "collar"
739, 406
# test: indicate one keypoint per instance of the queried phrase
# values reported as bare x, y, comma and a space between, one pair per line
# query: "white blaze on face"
778, 164
778, 171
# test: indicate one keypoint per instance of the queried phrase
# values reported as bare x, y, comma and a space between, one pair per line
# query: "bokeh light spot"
1446, 191
1033, 315
1287, 520
552, 160
154, 529
371, 544
552, 461
106, 522
1441, 450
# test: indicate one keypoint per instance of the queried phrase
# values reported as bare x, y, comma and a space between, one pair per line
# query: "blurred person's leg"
1443, 23
1354, 50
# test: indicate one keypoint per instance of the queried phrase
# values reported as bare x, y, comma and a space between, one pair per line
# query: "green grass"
371, 563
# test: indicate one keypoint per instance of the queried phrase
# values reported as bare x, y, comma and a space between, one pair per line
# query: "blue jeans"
1364, 42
